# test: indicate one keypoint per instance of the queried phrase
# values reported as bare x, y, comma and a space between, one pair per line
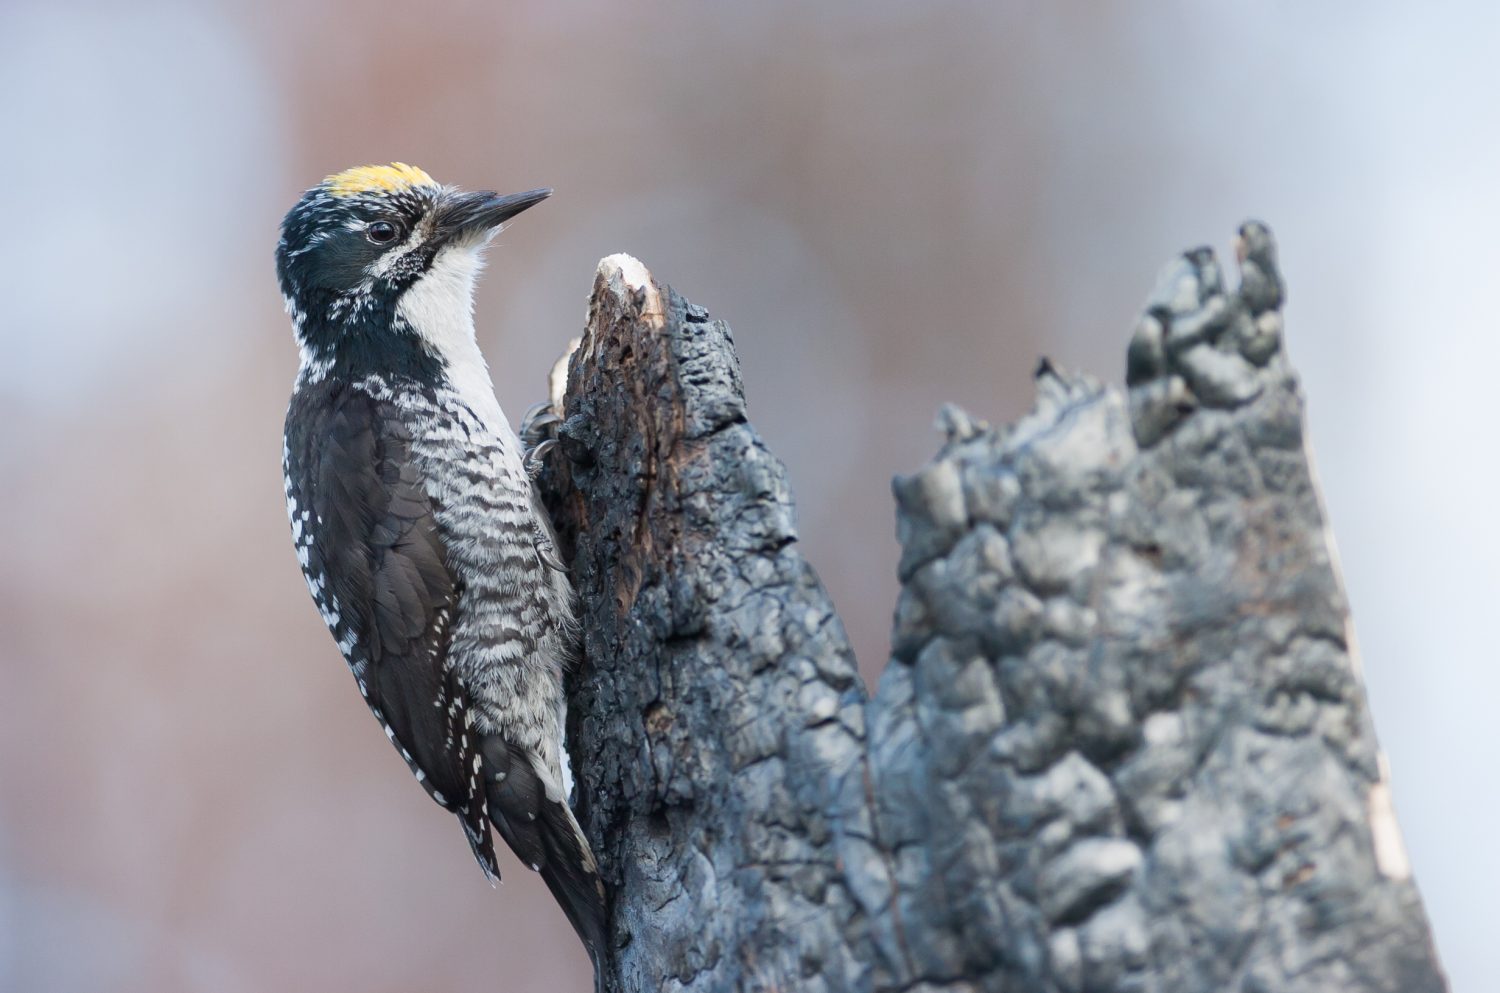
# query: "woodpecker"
415, 519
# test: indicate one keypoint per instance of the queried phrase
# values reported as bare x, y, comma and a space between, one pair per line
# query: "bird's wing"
374, 558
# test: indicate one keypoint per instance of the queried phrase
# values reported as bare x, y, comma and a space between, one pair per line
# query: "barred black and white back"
415, 522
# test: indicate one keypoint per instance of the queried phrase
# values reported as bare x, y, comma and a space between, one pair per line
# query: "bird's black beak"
471, 214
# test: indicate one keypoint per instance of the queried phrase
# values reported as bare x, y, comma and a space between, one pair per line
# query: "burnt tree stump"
1120, 744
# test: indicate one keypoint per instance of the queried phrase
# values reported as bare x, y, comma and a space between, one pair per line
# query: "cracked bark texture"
1121, 742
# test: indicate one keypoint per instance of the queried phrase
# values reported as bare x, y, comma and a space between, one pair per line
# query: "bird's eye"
381, 232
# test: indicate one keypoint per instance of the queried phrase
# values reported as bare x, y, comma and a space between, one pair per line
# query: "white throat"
440, 308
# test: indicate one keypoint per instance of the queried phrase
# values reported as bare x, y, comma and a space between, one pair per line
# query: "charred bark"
1121, 742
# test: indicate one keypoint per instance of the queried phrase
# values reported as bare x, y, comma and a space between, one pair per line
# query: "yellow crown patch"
374, 178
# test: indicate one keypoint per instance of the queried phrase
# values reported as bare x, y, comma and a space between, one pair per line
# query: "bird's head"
377, 267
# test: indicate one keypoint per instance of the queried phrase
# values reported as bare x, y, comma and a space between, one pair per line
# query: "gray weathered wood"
1121, 743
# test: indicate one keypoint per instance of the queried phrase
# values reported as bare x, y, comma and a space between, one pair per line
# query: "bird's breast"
474, 473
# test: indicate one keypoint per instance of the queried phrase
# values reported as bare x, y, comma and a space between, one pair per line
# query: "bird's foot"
538, 435
546, 549
539, 423
535, 458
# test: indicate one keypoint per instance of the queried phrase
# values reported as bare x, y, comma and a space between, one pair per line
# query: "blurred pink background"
893, 204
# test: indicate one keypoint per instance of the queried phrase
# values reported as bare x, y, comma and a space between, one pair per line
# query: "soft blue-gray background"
894, 204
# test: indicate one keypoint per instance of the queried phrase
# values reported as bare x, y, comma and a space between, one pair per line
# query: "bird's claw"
538, 435
537, 422
546, 550
536, 455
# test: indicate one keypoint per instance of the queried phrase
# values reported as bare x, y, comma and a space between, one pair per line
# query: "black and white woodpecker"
415, 520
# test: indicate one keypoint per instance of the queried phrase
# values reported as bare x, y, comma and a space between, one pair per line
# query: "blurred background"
894, 205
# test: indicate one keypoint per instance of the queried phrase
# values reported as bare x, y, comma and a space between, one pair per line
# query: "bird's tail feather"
575, 885
544, 834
